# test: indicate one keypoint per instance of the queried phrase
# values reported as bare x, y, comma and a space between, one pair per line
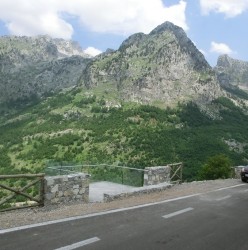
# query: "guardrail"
25, 195
176, 174
103, 172
114, 173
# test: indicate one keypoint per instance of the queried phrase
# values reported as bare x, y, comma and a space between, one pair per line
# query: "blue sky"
215, 26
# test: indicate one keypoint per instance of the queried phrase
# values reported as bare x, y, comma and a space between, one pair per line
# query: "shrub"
217, 167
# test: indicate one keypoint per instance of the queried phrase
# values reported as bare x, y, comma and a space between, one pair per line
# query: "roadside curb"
136, 191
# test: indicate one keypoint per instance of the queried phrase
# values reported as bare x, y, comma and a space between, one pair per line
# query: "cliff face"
163, 66
232, 72
33, 66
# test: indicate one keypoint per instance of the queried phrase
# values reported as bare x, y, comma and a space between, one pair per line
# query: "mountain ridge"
161, 68
155, 67
33, 66
232, 72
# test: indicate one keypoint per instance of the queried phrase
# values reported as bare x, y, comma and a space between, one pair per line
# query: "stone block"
65, 178
68, 193
75, 191
76, 186
49, 196
60, 194
55, 188
49, 181
82, 190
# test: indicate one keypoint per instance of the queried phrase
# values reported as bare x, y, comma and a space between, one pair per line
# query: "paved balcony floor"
97, 189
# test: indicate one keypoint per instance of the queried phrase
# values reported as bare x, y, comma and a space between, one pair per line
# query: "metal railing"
102, 172
113, 173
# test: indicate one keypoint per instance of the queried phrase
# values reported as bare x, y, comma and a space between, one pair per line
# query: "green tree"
5, 160
217, 167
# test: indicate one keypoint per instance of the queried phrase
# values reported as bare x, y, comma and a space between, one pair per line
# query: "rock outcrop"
34, 66
232, 72
163, 66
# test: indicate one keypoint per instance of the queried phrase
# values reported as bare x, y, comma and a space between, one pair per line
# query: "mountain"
153, 101
163, 67
33, 66
232, 72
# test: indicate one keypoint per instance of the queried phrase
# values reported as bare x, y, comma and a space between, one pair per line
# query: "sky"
215, 26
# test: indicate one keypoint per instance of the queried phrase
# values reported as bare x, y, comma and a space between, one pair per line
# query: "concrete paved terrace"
98, 189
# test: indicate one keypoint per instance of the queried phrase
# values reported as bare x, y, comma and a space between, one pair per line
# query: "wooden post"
21, 176
177, 172
181, 174
42, 191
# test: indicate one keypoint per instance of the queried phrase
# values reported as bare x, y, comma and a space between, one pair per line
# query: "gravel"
35, 215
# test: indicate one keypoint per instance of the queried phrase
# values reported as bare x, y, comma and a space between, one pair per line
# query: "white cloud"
129, 16
220, 48
92, 51
230, 8
29, 17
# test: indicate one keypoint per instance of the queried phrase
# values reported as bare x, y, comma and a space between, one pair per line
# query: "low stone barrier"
156, 175
136, 192
237, 171
66, 188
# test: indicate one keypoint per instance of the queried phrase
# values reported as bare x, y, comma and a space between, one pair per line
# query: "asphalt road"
215, 221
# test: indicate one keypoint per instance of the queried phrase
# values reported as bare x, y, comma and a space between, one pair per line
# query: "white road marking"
178, 212
239, 185
3, 231
79, 244
223, 198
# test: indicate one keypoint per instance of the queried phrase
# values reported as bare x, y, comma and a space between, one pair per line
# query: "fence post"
181, 174
122, 176
42, 190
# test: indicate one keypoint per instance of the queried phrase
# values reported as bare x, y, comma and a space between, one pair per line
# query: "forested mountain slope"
153, 101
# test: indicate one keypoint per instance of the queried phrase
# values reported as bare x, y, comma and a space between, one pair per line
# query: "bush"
217, 167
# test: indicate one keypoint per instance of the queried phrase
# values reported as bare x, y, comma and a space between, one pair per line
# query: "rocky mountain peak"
109, 51
69, 48
232, 72
224, 61
167, 26
43, 46
163, 66
133, 40
184, 42
32, 66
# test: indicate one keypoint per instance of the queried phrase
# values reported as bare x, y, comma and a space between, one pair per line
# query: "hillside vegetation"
153, 101
78, 126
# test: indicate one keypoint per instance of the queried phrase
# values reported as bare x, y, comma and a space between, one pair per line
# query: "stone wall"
156, 175
236, 171
66, 188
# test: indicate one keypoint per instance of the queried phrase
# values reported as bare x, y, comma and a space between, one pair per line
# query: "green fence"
101, 172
